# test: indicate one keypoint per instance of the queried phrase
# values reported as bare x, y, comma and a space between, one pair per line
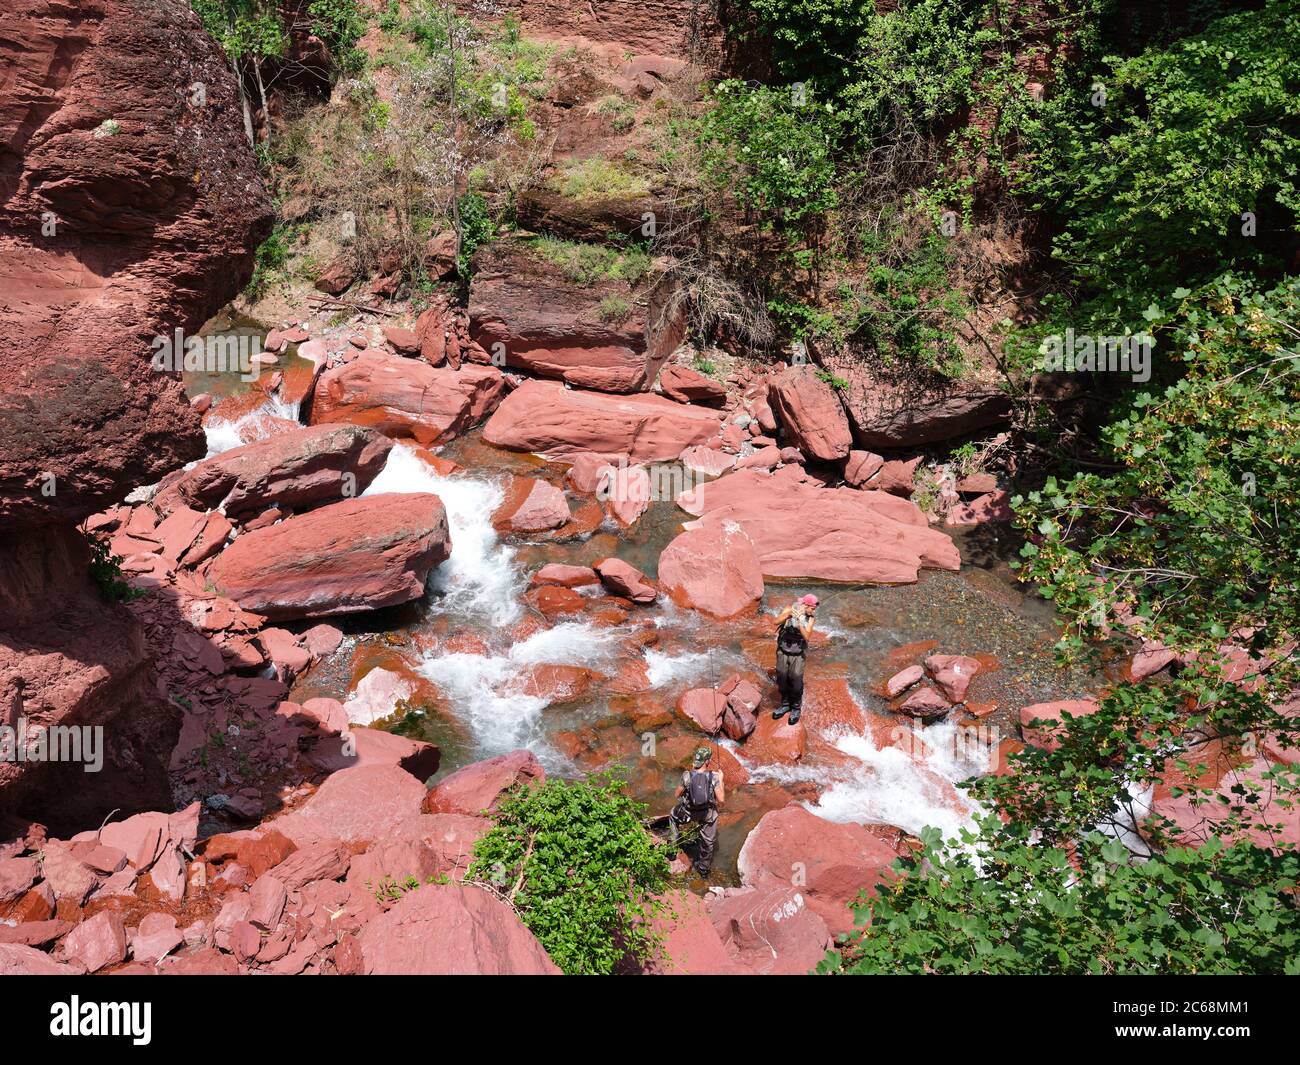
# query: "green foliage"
774, 153
587, 263
595, 178
580, 868
271, 259
243, 28
340, 24
106, 572
1196, 533
1008, 907
813, 38
614, 309
477, 228
1190, 136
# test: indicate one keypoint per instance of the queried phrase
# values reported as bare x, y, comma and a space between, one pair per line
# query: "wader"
791, 648
704, 816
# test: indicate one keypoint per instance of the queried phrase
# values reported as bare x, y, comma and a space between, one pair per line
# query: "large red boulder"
546, 417
480, 786
129, 215
298, 469
690, 386
901, 410
452, 930
770, 930
526, 308
407, 398
363, 803
801, 528
810, 413
690, 945
531, 505
826, 861
953, 674
713, 568
360, 554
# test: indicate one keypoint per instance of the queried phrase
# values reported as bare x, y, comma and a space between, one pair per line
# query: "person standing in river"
701, 793
794, 626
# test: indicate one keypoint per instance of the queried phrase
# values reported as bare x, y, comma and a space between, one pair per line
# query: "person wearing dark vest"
698, 799
793, 628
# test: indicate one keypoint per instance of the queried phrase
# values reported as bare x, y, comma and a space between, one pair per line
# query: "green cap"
702, 756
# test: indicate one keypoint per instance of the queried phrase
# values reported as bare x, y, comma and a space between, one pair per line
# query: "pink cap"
809, 600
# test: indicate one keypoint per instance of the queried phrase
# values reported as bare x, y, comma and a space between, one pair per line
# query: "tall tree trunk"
247, 110
261, 92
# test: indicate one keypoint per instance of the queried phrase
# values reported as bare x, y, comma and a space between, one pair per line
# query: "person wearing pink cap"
794, 626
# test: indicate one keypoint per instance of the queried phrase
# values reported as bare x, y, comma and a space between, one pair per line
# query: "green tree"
578, 864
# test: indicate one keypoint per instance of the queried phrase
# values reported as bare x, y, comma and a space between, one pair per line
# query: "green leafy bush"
586, 263
579, 866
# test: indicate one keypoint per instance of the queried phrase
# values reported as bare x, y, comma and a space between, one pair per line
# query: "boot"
794, 715
778, 714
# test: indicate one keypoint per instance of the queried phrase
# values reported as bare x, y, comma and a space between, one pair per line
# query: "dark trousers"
789, 678
706, 838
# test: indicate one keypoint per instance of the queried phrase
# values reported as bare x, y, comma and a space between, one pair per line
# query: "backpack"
699, 792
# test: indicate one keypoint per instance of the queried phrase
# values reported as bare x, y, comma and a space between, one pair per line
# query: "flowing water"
471, 646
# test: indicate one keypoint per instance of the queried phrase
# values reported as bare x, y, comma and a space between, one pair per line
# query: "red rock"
407, 398
801, 528
953, 674
18, 959
1197, 819
17, 875
902, 680
454, 930
353, 805
266, 902
328, 860
149, 241
977, 484
829, 863
360, 554
994, 507
206, 962
1040, 722
95, 943
527, 308
713, 568
546, 417
377, 694
67, 876
565, 576
623, 579
299, 469
707, 460
897, 411
553, 599
141, 838
102, 860
704, 707
690, 386
770, 930
556, 683
480, 786
178, 531
403, 341
627, 491
765, 458
777, 740
926, 703
590, 472
811, 413
1151, 659
896, 477
35, 933
367, 746
861, 467
156, 937
532, 505
691, 945
211, 539
282, 648
322, 640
